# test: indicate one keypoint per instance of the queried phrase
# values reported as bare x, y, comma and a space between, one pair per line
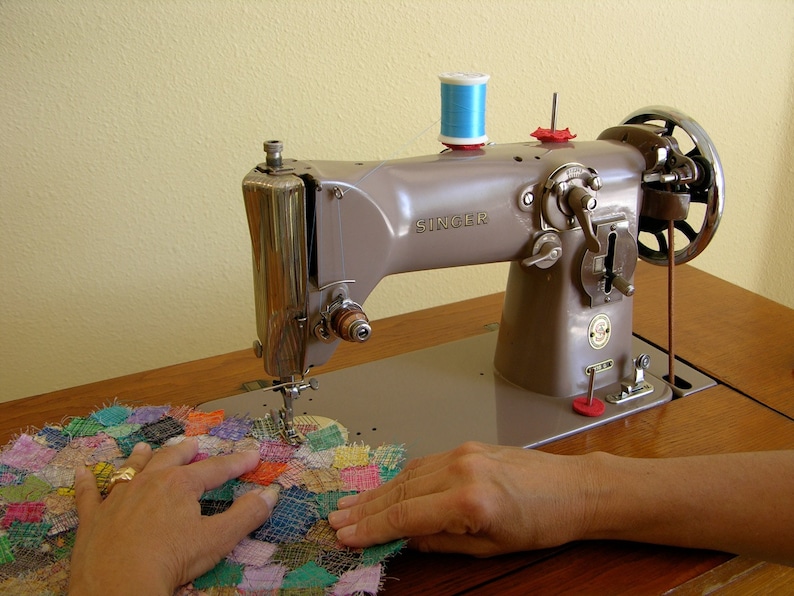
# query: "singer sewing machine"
568, 215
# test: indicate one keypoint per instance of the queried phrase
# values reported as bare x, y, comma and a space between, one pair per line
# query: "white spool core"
464, 78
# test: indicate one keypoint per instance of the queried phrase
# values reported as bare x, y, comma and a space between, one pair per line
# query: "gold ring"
121, 475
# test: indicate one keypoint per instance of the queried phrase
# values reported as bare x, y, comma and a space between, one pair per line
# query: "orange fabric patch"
265, 473
200, 423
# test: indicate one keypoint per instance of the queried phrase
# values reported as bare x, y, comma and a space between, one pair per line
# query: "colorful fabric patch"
365, 580
31, 489
82, 427
223, 574
326, 438
349, 456
361, 478
265, 578
200, 423
276, 451
27, 511
253, 552
294, 552
292, 474
160, 431
318, 459
147, 414
389, 457
309, 576
234, 428
57, 476
111, 416
121, 430
52, 437
327, 502
294, 514
6, 555
322, 480
264, 429
381, 552
265, 473
27, 454
27, 535
324, 535
225, 492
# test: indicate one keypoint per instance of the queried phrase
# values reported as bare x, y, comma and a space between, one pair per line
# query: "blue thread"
463, 108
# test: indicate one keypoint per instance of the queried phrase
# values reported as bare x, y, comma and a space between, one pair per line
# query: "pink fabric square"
364, 580
27, 454
269, 577
23, 512
361, 478
292, 475
276, 451
253, 552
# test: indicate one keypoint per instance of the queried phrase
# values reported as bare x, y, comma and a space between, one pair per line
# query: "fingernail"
337, 518
346, 502
140, 447
346, 533
270, 496
80, 472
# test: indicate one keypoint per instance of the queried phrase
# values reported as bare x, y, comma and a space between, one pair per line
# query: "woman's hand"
148, 536
485, 500
477, 499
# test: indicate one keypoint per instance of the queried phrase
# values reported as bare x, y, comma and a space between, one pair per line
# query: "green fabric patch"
6, 555
112, 416
83, 427
387, 474
325, 438
27, 534
225, 492
32, 489
375, 554
327, 502
121, 430
128, 442
63, 544
296, 554
309, 575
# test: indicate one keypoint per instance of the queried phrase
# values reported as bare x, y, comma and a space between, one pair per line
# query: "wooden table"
742, 340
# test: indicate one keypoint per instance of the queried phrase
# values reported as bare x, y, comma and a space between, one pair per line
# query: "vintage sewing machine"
568, 216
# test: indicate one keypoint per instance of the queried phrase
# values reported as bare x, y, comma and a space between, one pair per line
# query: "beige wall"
127, 127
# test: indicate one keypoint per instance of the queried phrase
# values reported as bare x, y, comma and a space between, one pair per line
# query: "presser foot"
284, 418
285, 426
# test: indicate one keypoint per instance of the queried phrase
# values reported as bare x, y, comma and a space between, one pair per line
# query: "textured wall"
127, 127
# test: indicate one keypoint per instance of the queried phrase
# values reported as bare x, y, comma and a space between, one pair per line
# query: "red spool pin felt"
547, 135
585, 406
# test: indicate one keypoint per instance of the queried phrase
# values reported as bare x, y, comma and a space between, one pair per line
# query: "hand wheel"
708, 189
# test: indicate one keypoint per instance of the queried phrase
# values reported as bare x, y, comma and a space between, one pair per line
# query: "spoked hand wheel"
707, 189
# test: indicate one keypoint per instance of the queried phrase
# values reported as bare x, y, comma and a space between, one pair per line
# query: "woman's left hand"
148, 536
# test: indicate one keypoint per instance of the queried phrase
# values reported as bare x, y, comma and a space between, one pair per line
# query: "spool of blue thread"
463, 109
